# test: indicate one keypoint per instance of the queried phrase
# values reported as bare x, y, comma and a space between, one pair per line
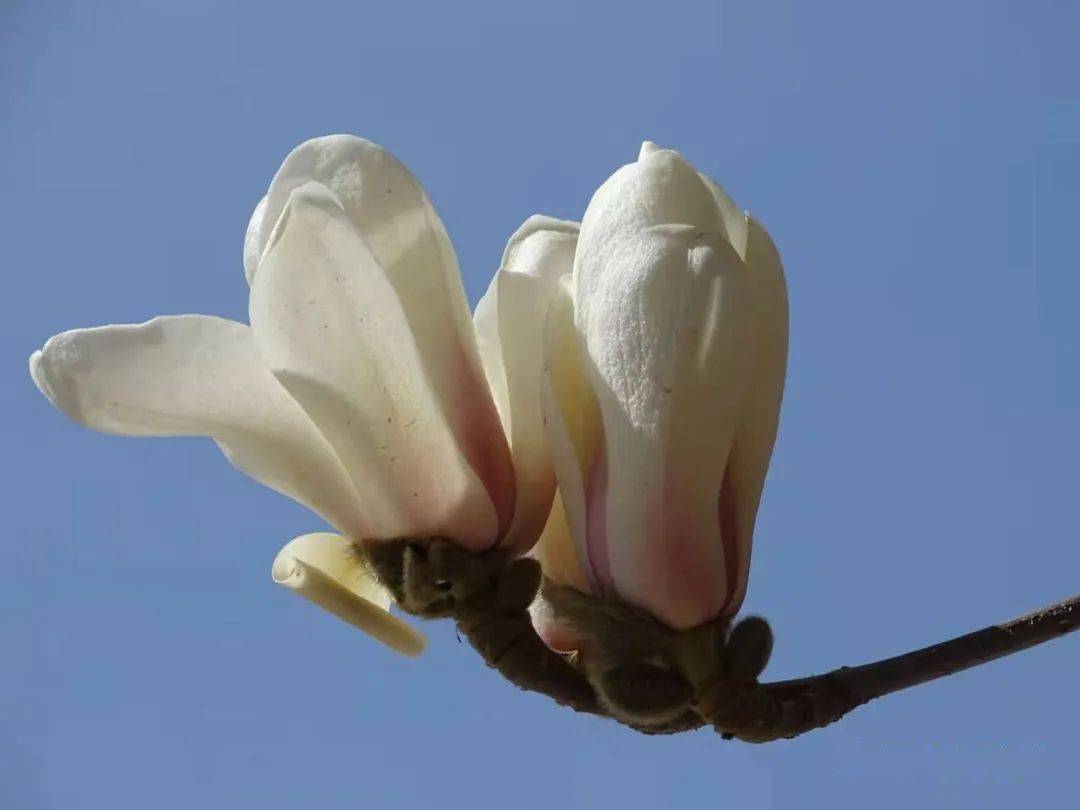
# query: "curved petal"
253, 241
557, 634
509, 324
392, 215
732, 222
660, 189
325, 569
671, 364
757, 427
332, 329
756, 435
194, 375
667, 309
561, 563
556, 551
575, 437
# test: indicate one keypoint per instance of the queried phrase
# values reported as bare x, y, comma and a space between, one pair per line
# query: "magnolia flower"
665, 362
360, 388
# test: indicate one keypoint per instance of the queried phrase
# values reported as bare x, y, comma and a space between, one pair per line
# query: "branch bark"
497, 624
763, 712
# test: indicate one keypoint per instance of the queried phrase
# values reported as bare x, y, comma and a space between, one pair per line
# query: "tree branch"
504, 636
497, 624
764, 712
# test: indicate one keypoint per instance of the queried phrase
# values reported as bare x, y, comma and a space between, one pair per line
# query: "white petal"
756, 435
574, 434
665, 313
253, 240
332, 328
660, 189
509, 326
648, 148
194, 375
757, 427
732, 219
395, 219
325, 569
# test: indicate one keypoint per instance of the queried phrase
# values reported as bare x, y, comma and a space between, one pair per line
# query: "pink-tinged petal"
509, 324
333, 330
194, 375
680, 347
392, 215
672, 369
664, 302
555, 633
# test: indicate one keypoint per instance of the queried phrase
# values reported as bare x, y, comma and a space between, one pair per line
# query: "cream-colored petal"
556, 552
392, 215
672, 319
509, 324
660, 189
325, 569
732, 221
253, 239
195, 375
561, 563
574, 434
669, 339
332, 329
756, 434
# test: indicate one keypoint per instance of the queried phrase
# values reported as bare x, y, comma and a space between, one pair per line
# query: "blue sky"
918, 166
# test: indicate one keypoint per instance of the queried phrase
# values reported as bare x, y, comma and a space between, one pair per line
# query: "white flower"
359, 388
666, 356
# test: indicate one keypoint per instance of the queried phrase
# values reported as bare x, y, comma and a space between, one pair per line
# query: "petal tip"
36, 371
647, 148
48, 373
253, 239
317, 194
535, 230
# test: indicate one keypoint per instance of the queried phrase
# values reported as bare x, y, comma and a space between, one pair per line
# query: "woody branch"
765, 712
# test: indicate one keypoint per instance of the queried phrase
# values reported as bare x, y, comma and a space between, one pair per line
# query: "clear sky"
918, 166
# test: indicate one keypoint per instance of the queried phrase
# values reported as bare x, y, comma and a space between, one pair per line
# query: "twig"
764, 712
507, 641
497, 624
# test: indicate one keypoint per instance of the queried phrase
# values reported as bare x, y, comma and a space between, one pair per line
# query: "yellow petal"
325, 569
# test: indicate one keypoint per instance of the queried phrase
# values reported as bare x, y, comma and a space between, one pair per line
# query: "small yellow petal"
325, 569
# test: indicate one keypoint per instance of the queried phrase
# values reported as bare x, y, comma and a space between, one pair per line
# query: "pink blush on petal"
686, 591
729, 525
557, 635
479, 432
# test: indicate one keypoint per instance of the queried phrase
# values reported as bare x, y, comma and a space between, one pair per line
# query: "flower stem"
764, 712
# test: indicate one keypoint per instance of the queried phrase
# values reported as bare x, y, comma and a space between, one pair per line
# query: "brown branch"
507, 641
509, 644
764, 712
496, 622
